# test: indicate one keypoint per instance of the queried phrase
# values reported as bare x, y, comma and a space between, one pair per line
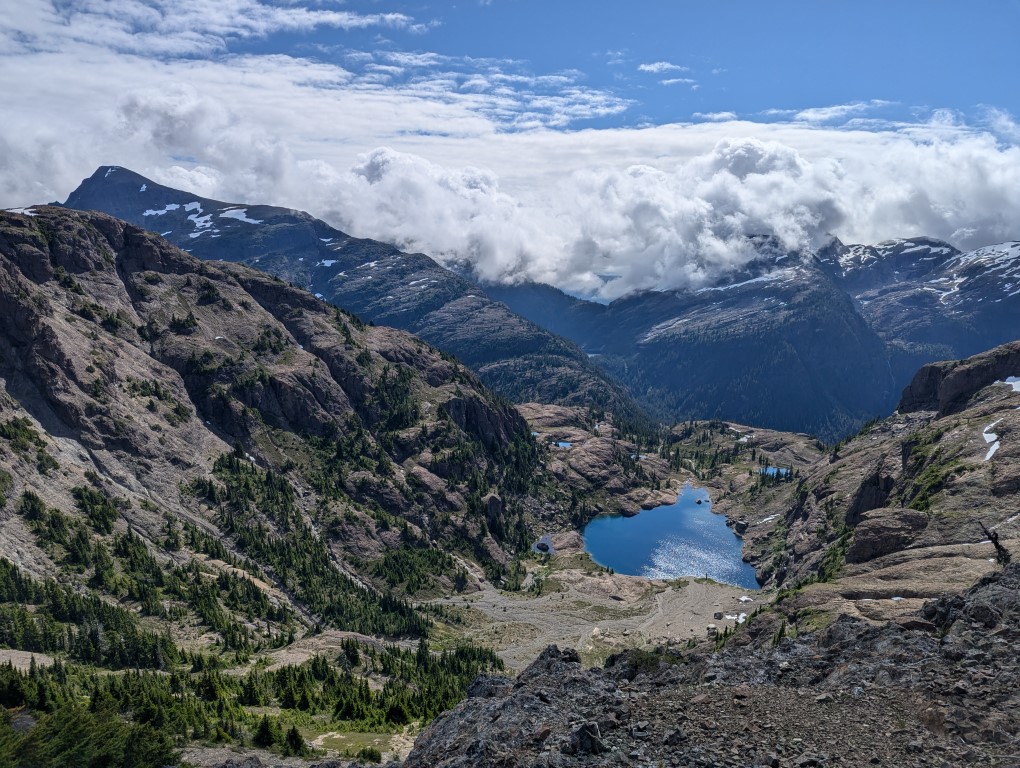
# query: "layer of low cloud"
475, 161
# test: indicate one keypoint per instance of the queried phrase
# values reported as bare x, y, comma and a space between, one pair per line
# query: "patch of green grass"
930, 481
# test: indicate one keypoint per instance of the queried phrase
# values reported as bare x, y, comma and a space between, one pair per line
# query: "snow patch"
768, 519
201, 222
143, 188
193, 206
991, 437
241, 214
169, 207
326, 239
772, 276
164, 234
326, 263
318, 295
23, 211
109, 170
1011, 381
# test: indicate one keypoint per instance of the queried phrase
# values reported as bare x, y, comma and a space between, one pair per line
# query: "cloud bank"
473, 161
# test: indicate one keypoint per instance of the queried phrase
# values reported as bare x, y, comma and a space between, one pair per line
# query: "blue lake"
684, 539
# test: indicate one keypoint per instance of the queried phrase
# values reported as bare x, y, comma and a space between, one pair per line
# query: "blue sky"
681, 61
553, 141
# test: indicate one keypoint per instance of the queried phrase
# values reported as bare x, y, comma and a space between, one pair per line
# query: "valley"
243, 524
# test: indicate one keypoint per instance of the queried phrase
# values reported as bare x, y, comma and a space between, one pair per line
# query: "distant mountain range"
816, 342
378, 282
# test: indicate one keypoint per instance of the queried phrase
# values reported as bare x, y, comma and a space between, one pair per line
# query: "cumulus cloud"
609, 231
645, 227
475, 161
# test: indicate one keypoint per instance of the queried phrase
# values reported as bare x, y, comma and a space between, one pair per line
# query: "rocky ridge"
943, 692
143, 365
377, 281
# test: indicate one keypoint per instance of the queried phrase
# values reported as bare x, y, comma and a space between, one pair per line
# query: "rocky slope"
928, 301
939, 690
144, 365
410, 291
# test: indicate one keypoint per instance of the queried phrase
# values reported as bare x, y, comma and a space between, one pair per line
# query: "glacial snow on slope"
169, 207
22, 211
991, 437
779, 274
241, 214
1001, 253
1011, 381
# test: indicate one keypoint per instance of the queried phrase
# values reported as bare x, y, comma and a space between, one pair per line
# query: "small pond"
683, 539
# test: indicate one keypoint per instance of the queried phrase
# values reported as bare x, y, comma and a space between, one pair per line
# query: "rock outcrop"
943, 689
947, 386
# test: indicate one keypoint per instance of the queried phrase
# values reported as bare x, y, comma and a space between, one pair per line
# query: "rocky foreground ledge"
943, 690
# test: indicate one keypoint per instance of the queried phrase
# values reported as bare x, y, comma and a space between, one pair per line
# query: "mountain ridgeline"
812, 342
378, 282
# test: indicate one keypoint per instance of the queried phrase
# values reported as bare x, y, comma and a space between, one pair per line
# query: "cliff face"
942, 689
948, 385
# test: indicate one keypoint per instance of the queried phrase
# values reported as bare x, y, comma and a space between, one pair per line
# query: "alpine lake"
680, 540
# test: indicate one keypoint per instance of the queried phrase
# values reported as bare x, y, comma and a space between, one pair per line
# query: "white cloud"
658, 67
678, 81
169, 27
458, 158
716, 116
838, 111
1003, 125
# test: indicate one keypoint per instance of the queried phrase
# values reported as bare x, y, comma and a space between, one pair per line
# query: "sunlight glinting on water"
675, 558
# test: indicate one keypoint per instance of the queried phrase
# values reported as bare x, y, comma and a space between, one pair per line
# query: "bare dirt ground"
22, 660
583, 606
